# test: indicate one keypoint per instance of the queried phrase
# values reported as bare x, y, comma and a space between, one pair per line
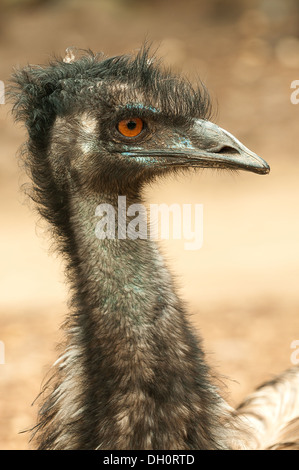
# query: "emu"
131, 373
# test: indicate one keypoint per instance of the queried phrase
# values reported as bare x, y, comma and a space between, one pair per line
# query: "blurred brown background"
242, 286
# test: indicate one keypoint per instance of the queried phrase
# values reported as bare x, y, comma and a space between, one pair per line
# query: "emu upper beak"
207, 146
220, 149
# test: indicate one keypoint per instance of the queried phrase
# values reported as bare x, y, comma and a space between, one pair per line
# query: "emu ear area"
35, 97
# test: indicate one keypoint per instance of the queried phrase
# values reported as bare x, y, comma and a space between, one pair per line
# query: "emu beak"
207, 146
217, 148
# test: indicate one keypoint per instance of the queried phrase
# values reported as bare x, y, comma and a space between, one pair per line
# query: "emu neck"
124, 277
132, 375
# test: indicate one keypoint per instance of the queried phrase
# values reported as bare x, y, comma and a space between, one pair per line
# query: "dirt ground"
242, 285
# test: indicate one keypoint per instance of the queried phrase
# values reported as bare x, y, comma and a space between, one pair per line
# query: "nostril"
226, 150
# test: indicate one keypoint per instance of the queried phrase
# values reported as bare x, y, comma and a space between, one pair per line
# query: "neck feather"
131, 374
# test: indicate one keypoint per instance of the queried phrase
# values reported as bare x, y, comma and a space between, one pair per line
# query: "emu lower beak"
219, 149
207, 146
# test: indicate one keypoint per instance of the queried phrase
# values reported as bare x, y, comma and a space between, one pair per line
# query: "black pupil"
131, 125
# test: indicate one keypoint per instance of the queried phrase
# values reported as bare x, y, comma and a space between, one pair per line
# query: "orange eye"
130, 127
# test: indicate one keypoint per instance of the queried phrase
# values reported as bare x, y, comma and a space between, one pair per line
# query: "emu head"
112, 124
